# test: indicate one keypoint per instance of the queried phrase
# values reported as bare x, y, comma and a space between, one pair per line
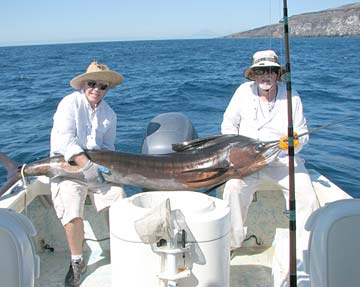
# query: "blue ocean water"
195, 77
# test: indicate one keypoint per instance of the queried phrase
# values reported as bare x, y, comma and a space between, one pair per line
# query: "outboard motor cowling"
167, 129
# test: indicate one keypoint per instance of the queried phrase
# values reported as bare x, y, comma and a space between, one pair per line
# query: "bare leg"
75, 235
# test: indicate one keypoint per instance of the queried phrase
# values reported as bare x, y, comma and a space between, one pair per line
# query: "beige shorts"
69, 197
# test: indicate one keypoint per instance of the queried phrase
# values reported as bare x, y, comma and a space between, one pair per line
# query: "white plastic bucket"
137, 264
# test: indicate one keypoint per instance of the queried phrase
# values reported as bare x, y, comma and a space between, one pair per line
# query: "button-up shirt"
77, 126
247, 115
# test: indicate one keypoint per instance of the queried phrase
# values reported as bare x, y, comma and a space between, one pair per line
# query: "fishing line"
317, 129
269, 25
325, 126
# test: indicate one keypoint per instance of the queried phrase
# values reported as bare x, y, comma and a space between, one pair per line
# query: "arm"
68, 132
64, 138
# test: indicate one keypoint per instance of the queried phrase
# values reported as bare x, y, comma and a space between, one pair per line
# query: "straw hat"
266, 58
97, 72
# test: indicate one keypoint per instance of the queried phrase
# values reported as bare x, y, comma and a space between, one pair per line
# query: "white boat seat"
19, 263
334, 250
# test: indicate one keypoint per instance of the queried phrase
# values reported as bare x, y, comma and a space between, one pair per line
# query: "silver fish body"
197, 164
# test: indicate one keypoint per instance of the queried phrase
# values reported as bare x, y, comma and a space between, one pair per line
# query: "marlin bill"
198, 164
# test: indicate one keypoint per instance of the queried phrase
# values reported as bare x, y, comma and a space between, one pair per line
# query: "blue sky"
63, 21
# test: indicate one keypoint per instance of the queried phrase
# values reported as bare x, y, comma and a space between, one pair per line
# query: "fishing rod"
292, 200
315, 129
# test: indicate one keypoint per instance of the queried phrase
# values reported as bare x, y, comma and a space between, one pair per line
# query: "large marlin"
197, 164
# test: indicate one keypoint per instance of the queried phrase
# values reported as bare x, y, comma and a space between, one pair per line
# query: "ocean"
194, 77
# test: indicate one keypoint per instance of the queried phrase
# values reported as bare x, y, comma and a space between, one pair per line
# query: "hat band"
271, 59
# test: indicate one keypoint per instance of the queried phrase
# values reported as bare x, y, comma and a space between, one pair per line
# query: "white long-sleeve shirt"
77, 126
247, 115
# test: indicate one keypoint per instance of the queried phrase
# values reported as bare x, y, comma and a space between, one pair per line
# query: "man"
83, 120
258, 109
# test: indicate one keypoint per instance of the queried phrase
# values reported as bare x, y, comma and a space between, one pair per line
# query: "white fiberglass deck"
250, 265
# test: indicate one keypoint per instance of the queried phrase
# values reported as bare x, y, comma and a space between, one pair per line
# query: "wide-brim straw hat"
266, 58
97, 72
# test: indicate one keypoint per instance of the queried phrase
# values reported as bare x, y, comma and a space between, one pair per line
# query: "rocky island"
343, 21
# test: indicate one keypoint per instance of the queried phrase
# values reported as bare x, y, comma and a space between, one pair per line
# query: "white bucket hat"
267, 58
97, 72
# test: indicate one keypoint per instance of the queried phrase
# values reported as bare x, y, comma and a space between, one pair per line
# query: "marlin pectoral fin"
200, 143
219, 172
224, 166
207, 169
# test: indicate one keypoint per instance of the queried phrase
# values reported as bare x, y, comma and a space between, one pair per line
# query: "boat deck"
54, 266
250, 266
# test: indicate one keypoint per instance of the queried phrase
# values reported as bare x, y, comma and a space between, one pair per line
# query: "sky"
26, 22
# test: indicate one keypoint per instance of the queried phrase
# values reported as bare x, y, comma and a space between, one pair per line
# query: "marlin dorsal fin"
200, 143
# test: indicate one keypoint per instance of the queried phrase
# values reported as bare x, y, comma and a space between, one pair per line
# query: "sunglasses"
93, 85
262, 71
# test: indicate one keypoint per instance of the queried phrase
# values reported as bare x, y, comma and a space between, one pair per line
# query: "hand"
93, 172
284, 142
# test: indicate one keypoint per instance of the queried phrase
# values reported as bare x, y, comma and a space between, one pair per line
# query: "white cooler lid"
207, 217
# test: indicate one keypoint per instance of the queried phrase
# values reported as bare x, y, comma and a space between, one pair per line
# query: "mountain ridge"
343, 21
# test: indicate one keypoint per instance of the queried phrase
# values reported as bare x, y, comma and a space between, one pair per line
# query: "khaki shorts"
69, 197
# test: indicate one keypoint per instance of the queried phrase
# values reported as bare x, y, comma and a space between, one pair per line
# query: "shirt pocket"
103, 126
101, 130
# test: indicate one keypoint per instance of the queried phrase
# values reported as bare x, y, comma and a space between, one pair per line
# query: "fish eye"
259, 147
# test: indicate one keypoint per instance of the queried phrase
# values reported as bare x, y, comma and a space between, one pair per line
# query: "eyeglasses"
261, 71
94, 84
